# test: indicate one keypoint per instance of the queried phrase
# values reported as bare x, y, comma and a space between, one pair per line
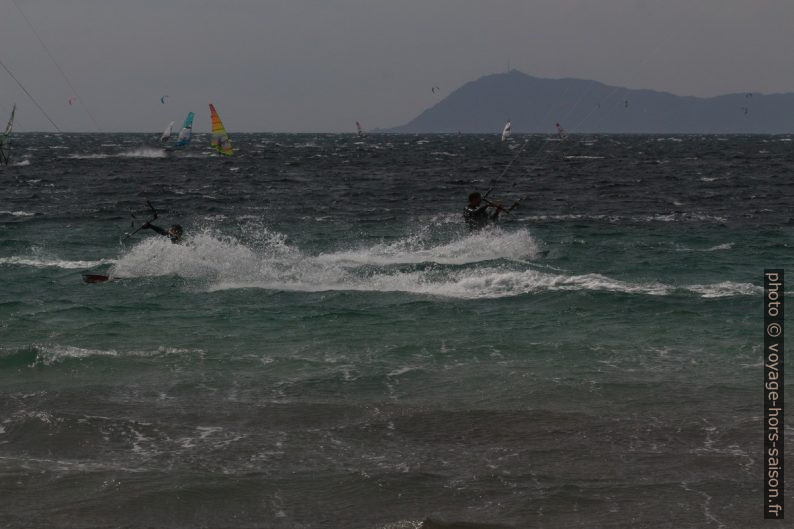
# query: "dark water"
331, 348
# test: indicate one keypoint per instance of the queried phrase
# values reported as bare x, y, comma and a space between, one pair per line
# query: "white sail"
167, 134
5, 139
10, 123
506, 130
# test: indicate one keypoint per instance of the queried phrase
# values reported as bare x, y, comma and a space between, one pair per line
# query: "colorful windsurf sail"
5, 139
186, 132
220, 140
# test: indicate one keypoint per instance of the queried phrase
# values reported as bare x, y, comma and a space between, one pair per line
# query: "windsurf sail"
186, 132
561, 131
360, 130
220, 140
167, 134
5, 139
506, 131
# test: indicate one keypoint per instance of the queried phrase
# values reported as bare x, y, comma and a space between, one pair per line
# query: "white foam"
17, 213
51, 354
40, 262
140, 152
682, 217
143, 152
88, 156
726, 288
726, 246
717, 248
47, 354
492, 264
483, 246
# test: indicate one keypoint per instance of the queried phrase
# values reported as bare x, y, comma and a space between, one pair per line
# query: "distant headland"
535, 105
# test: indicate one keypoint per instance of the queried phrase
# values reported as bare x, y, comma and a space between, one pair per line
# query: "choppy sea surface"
331, 348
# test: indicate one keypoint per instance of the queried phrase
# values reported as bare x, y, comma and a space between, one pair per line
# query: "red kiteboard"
95, 278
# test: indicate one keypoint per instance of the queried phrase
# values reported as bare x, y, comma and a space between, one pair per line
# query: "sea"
330, 347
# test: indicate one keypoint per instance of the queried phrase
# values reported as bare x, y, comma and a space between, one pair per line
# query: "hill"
534, 105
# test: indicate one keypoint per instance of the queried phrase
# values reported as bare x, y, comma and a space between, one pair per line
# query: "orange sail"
220, 140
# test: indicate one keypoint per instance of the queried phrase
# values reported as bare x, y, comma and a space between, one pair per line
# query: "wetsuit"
161, 231
478, 218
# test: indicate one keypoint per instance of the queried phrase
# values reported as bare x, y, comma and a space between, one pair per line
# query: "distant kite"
162, 99
435, 89
72, 100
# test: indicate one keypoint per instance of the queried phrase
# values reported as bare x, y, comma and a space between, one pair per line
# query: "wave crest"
492, 264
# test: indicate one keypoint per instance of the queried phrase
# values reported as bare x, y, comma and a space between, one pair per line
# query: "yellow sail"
220, 140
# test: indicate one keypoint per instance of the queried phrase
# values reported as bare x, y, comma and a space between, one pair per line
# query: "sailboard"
5, 140
186, 132
359, 129
220, 140
167, 133
507, 130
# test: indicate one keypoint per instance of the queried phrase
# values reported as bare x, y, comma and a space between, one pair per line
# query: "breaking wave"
492, 264
141, 152
53, 262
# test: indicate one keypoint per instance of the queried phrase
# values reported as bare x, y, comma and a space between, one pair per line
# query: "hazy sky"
320, 65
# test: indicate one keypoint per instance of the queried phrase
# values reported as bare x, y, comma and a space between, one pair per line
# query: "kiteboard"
95, 278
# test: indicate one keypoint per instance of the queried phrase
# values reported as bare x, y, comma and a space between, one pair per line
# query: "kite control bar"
154, 217
501, 207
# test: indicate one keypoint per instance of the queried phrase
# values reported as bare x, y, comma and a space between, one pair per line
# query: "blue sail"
186, 132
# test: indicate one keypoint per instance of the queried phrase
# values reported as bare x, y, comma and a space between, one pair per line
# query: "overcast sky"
320, 65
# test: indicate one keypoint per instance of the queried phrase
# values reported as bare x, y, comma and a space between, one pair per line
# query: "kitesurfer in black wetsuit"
476, 213
174, 232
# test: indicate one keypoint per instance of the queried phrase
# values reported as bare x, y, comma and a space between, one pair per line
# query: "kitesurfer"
174, 232
476, 213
